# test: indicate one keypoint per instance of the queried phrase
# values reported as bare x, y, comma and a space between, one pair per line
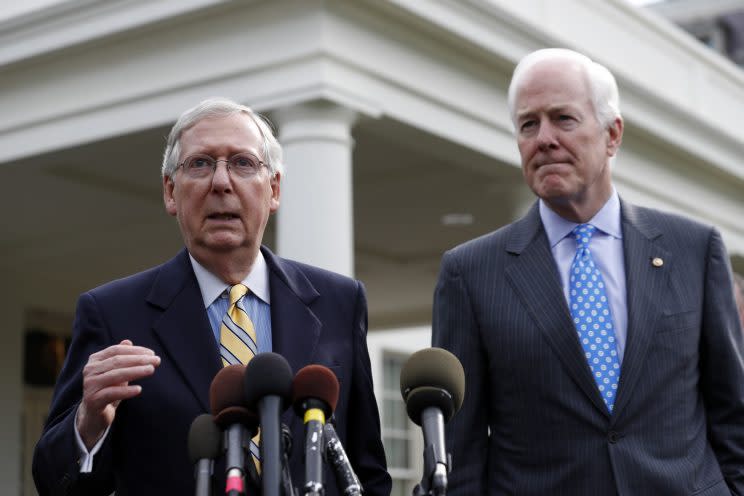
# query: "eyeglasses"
243, 165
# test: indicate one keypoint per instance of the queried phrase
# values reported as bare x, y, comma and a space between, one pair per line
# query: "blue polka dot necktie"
591, 315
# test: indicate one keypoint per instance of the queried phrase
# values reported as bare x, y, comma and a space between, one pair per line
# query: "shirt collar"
212, 286
606, 220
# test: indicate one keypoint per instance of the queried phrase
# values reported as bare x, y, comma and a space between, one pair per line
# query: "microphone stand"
436, 461
434, 481
288, 488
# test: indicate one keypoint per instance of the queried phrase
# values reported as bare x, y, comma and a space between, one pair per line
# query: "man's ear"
168, 199
275, 183
614, 136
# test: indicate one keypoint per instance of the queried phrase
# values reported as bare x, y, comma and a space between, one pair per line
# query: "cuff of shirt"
86, 457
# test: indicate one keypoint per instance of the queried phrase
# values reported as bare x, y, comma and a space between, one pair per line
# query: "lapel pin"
657, 262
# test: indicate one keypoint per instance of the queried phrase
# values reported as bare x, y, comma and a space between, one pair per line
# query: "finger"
121, 349
113, 387
111, 395
94, 383
94, 369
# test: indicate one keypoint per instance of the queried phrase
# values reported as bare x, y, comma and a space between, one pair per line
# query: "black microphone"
238, 423
432, 383
315, 394
268, 389
336, 456
205, 444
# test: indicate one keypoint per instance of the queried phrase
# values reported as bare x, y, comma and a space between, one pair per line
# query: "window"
401, 437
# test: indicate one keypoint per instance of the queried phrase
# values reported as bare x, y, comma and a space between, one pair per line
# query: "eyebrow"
563, 107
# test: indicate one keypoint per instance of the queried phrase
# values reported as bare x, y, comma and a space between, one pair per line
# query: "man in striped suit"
145, 348
602, 350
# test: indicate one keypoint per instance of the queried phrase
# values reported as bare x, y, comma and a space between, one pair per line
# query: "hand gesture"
106, 379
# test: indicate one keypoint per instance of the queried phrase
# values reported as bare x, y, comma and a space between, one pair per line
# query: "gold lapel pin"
657, 262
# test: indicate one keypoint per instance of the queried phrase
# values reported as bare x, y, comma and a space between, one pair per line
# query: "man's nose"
221, 177
546, 136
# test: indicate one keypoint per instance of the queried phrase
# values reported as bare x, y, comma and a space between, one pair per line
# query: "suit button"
613, 437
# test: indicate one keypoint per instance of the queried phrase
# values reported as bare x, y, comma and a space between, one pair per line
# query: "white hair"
602, 85
221, 107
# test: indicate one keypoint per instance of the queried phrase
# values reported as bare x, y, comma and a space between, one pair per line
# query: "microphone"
432, 383
336, 456
267, 387
238, 423
314, 395
205, 444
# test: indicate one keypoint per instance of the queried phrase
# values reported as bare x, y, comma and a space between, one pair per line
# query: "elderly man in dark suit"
602, 350
145, 348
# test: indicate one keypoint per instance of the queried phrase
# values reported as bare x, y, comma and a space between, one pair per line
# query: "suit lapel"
183, 328
295, 329
645, 285
537, 283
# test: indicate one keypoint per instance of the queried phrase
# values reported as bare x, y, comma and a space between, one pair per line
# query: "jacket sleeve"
722, 366
455, 328
366, 452
55, 467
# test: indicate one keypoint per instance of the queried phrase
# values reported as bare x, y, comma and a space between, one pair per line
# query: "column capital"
318, 120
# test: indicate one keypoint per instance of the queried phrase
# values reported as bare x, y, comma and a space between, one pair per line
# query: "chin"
223, 243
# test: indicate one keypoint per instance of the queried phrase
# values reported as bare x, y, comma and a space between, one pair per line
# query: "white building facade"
397, 140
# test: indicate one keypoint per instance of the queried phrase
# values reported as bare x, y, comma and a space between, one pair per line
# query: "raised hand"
106, 379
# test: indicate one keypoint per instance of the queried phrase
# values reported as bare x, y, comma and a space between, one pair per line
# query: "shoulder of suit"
138, 282
666, 222
489, 242
313, 273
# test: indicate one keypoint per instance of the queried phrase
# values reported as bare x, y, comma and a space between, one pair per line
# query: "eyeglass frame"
216, 161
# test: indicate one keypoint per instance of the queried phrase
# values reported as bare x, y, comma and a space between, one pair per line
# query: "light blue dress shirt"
257, 302
607, 250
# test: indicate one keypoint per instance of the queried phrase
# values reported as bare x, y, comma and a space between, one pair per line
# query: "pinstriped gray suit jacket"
533, 422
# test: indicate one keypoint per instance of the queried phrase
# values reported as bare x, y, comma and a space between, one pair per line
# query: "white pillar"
11, 384
315, 222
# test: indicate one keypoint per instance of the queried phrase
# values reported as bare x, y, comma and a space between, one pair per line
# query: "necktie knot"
237, 292
583, 235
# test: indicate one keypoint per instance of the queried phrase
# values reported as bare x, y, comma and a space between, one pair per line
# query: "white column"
11, 384
315, 222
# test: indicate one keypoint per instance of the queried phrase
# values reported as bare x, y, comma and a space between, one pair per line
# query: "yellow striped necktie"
237, 334
238, 344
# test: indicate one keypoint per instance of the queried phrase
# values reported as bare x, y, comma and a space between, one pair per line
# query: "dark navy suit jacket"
533, 422
317, 317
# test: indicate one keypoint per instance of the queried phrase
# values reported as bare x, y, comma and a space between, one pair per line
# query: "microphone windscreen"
424, 397
226, 389
267, 374
433, 368
315, 382
205, 438
237, 415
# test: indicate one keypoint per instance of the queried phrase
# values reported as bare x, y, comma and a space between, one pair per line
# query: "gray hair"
602, 85
221, 107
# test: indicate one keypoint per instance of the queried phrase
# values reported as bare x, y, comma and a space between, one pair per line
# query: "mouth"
554, 167
547, 163
223, 216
